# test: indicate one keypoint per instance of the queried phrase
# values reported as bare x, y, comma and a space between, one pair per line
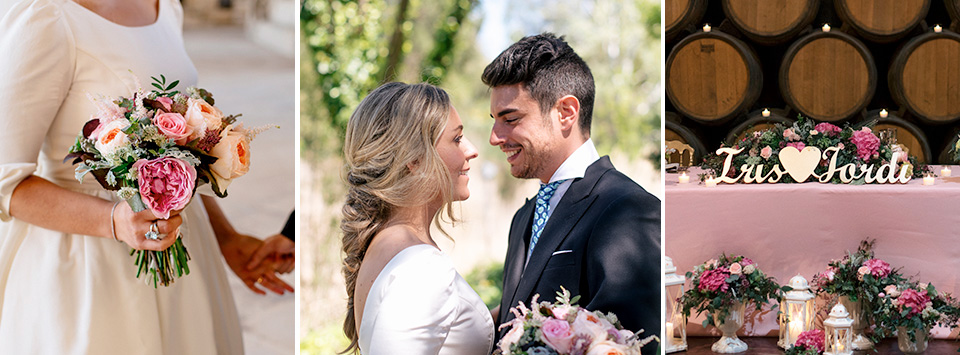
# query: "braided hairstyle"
391, 161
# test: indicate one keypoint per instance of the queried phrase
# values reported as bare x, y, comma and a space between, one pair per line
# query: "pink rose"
736, 269
715, 280
863, 270
766, 152
166, 102
840, 145
787, 133
827, 128
798, 145
172, 125
867, 143
557, 334
233, 157
878, 268
912, 299
166, 184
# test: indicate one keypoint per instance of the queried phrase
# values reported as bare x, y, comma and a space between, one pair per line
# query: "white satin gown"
73, 294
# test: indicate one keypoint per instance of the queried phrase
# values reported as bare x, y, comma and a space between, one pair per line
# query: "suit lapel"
516, 255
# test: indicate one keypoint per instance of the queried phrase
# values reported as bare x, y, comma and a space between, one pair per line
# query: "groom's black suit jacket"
602, 242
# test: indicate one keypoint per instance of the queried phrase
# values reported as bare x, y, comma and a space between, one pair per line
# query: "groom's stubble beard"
536, 155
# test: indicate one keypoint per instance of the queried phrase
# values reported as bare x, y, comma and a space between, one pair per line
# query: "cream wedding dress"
75, 294
420, 305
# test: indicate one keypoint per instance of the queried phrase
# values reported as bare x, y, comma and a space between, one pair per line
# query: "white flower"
749, 269
112, 137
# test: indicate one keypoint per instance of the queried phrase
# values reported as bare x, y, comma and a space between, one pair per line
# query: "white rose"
749, 269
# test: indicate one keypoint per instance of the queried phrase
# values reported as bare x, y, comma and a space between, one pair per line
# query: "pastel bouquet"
811, 342
564, 328
911, 306
859, 275
858, 145
719, 284
154, 149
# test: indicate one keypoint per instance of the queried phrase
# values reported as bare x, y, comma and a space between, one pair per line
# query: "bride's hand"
237, 251
131, 228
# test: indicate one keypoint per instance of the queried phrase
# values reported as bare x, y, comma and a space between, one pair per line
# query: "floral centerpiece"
154, 149
564, 328
810, 342
720, 283
956, 150
911, 306
856, 145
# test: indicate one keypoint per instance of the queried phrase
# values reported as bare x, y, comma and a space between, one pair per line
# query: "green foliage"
727, 281
487, 280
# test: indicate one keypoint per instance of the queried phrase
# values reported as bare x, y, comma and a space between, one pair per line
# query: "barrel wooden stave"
712, 76
771, 21
924, 77
680, 14
882, 20
828, 76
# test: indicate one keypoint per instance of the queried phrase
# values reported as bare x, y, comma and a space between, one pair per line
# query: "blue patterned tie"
540, 214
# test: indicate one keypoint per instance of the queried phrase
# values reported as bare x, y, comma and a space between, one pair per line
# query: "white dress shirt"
574, 167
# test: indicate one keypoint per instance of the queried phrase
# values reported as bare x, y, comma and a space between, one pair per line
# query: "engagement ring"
154, 233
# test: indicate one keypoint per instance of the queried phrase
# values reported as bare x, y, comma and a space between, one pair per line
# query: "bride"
67, 280
407, 161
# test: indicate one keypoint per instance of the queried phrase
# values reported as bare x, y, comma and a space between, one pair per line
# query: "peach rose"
198, 110
606, 347
111, 137
588, 324
736, 269
172, 125
233, 156
892, 291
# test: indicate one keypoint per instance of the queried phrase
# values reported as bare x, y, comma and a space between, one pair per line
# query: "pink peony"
557, 334
878, 268
746, 261
715, 280
913, 299
827, 128
766, 152
166, 184
172, 125
798, 145
812, 339
867, 143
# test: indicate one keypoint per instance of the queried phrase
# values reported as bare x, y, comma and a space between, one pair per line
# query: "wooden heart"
799, 164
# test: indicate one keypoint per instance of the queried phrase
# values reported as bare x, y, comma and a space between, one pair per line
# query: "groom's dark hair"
549, 69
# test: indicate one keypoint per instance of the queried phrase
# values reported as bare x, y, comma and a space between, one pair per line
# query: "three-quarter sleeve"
36, 71
418, 304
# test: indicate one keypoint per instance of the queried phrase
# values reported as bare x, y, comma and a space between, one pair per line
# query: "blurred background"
348, 48
244, 54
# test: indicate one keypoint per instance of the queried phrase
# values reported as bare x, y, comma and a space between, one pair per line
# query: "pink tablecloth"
798, 228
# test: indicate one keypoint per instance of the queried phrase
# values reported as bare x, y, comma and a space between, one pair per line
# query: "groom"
590, 228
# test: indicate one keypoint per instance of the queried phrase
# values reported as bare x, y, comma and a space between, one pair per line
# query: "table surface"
768, 345
791, 229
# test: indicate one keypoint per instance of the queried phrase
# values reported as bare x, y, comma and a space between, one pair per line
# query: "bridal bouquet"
564, 328
911, 306
153, 149
719, 284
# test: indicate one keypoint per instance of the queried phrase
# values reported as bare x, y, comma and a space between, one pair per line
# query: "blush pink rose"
166, 102
173, 125
892, 291
736, 269
166, 184
878, 268
766, 152
715, 280
798, 145
558, 335
861, 271
867, 143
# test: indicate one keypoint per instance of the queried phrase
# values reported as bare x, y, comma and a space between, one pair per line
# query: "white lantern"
796, 312
839, 332
675, 331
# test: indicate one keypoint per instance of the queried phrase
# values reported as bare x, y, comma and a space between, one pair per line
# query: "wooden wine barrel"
828, 76
771, 21
908, 134
953, 9
924, 77
712, 77
680, 14
675, 131
754, 122
882, 20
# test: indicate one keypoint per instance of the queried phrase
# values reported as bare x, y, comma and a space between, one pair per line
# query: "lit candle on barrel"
883, 113
765, 113
937, 29
826, 27
706, 28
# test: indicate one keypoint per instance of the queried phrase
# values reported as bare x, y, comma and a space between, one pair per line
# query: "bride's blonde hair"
394, 128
